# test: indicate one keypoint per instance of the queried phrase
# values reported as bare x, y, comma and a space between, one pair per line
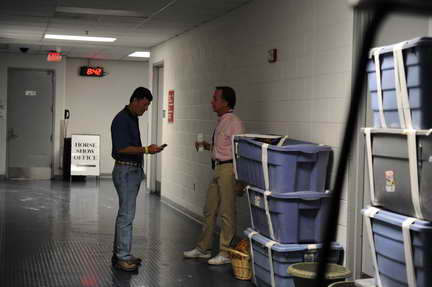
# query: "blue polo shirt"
125, 132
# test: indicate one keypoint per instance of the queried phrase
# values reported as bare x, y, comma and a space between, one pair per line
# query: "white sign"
85, 155
30, 93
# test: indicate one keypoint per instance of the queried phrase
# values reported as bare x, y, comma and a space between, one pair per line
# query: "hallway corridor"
56, 234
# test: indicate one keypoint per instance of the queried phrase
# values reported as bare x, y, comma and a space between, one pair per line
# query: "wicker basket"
240, 263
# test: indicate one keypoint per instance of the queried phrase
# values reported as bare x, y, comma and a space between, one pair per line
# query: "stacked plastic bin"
399, 152
287, 202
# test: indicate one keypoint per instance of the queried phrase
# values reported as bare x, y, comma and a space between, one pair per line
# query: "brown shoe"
133, 259
126, 265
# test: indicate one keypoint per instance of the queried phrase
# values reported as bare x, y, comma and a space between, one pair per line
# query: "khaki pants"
221, 199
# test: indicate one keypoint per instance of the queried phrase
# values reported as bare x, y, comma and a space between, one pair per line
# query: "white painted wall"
303, 95
93, 102
32, 62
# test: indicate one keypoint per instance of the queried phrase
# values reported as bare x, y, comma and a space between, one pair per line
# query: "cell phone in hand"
163, 146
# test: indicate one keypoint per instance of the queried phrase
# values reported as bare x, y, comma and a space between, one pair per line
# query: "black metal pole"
356, 93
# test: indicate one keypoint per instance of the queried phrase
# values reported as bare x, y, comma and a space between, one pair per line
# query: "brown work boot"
126, 265
133, 259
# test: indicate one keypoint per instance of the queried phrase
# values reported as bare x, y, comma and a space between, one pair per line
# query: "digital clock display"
87, 71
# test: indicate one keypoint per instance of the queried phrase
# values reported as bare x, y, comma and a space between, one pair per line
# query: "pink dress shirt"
227, 126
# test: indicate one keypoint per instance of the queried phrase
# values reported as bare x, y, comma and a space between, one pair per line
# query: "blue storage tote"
294, 166
389, 249
283, 255
295, 217
417, 64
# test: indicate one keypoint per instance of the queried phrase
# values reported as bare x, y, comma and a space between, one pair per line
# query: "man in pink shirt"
221, 197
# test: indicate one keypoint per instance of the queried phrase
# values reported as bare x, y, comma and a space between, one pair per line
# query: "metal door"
30, 123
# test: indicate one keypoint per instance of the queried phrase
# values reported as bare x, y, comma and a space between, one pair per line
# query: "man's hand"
154, 149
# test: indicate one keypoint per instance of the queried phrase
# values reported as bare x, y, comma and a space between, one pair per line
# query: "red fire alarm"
54, 57
272, 55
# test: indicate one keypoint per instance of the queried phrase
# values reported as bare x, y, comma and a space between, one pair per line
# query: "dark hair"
141, 93
228, 94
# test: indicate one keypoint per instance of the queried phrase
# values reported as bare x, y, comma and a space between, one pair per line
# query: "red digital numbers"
94, 72
88, 71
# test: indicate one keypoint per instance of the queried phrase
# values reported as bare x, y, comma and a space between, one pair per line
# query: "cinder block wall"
303, 95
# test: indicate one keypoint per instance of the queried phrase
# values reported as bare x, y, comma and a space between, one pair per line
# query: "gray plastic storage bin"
295, 166
283, 256
389, 248
391, 173
296, 217
418, 69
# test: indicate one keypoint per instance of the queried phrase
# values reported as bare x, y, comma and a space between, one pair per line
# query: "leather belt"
216, 162
128, 163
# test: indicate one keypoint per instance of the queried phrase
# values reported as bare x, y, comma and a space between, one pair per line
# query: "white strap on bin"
234, 148
312, 246
264, 161
370, 213
282, 141
409, 258
376, 54
367, 132
250, 206
413, 166
269, 246
400, 83
267, 210
250, 235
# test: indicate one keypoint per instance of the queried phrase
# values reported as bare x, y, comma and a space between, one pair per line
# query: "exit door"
30, 124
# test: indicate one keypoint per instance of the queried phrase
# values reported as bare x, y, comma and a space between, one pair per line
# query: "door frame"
356, 171
155, 126
53, 109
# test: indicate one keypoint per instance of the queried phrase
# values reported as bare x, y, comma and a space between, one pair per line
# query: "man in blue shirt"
127, 150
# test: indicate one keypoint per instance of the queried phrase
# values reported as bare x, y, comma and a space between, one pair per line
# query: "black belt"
216, 162
129, 163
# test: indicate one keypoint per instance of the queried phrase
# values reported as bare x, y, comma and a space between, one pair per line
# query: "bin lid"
289, 145
304, 195
307, 270
344, 284
397, 220
279, 247
416, 42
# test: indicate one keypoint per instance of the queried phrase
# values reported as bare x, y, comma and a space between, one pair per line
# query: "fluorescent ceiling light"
140, 54
79, 38
104, 12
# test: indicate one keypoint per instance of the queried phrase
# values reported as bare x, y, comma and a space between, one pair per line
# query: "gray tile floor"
60, 234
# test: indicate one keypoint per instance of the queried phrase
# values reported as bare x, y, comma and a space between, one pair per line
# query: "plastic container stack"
287, 199
399, 152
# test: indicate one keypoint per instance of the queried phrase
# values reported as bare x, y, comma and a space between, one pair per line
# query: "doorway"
157, 118
30, 107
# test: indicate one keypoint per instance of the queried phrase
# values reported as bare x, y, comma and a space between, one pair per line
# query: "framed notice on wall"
85, 155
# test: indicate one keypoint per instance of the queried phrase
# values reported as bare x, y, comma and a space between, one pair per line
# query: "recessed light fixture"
140, 54
79, 38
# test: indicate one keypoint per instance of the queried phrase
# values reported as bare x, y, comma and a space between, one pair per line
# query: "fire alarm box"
272, 55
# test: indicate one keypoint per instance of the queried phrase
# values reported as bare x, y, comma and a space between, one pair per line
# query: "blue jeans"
127, 181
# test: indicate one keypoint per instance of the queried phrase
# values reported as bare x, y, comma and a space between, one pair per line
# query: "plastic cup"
200, 140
